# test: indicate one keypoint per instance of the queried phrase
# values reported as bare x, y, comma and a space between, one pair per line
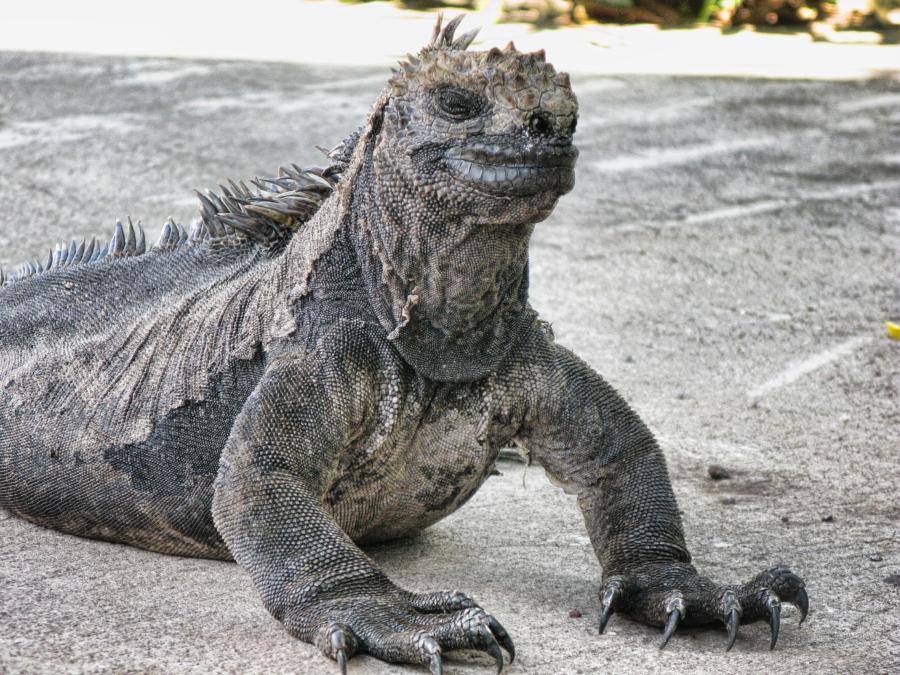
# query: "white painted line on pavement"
764, 206
596, 86
349, 83
62, 129
161, 76
734, 211
797, 370
636, 117
840, 191
654, 157
891, 101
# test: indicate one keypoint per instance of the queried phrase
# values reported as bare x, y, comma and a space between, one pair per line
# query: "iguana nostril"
539, 124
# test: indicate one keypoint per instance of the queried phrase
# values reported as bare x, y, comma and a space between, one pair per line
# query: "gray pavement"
727, 259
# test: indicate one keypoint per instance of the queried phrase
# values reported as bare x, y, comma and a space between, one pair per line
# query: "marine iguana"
336, 356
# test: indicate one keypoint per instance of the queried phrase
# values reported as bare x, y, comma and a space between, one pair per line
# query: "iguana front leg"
282, 453
588, 438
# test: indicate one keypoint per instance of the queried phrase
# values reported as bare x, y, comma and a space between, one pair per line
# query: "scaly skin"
337, 358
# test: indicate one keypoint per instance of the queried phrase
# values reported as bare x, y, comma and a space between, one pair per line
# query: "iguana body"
339, 358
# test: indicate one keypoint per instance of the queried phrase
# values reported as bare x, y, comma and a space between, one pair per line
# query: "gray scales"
337, 356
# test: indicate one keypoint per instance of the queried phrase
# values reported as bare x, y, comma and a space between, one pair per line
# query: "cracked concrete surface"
727, 259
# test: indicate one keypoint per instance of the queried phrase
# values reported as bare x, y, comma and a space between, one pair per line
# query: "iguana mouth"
528, 169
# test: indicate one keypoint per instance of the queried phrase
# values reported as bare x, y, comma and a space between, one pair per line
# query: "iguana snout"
509, 166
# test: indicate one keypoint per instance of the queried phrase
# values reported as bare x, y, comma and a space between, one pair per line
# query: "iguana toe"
731, 623
474, 628
436, 665
611, 595
676, 611
338, 642
441, 601
502, 637
404, 633
761, 597
774, 607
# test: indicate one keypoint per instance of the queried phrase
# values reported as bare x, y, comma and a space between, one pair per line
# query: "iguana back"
115, 362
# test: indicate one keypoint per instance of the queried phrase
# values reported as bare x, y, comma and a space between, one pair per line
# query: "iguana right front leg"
589, 440
280, 457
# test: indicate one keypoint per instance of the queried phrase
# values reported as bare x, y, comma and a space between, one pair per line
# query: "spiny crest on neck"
444, 38
265, 215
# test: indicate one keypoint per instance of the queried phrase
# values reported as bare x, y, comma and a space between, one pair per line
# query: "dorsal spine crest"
266, 215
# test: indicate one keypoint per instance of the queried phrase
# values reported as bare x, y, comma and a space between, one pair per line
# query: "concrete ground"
727, 259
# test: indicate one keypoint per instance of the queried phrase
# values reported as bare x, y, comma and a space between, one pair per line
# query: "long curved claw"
502, 637
339, 645
674, 618
435, 665
802, 602
734, 619
604, 617
676, 611
493, 649
433, 654
774, 621
773, 606
611, 594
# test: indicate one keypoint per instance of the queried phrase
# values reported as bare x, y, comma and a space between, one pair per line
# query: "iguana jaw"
521, 171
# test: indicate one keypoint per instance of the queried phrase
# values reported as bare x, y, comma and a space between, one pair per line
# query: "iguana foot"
416, 630
671, 594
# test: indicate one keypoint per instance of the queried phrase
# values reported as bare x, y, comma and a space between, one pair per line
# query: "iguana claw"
774, 616
435, 665
732, 624
493, 649
731, 615
675, 609
671, 625
340, 645
610, 595
802, 602
502, 637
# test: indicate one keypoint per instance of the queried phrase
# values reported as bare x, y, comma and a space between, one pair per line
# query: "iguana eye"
457, 104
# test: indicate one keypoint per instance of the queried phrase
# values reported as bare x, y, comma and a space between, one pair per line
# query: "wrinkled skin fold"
338, 358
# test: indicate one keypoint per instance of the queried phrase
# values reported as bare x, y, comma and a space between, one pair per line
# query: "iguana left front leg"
588, 438
307, 413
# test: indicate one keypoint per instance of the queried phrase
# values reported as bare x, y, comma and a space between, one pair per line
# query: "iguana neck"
451, 293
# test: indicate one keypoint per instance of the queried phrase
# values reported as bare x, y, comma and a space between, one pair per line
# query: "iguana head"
463, 153
479, 130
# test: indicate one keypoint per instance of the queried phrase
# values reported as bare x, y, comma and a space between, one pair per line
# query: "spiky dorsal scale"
239, 216
88, 253
270, 215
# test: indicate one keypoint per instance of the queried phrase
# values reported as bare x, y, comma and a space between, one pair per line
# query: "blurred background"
775, 38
